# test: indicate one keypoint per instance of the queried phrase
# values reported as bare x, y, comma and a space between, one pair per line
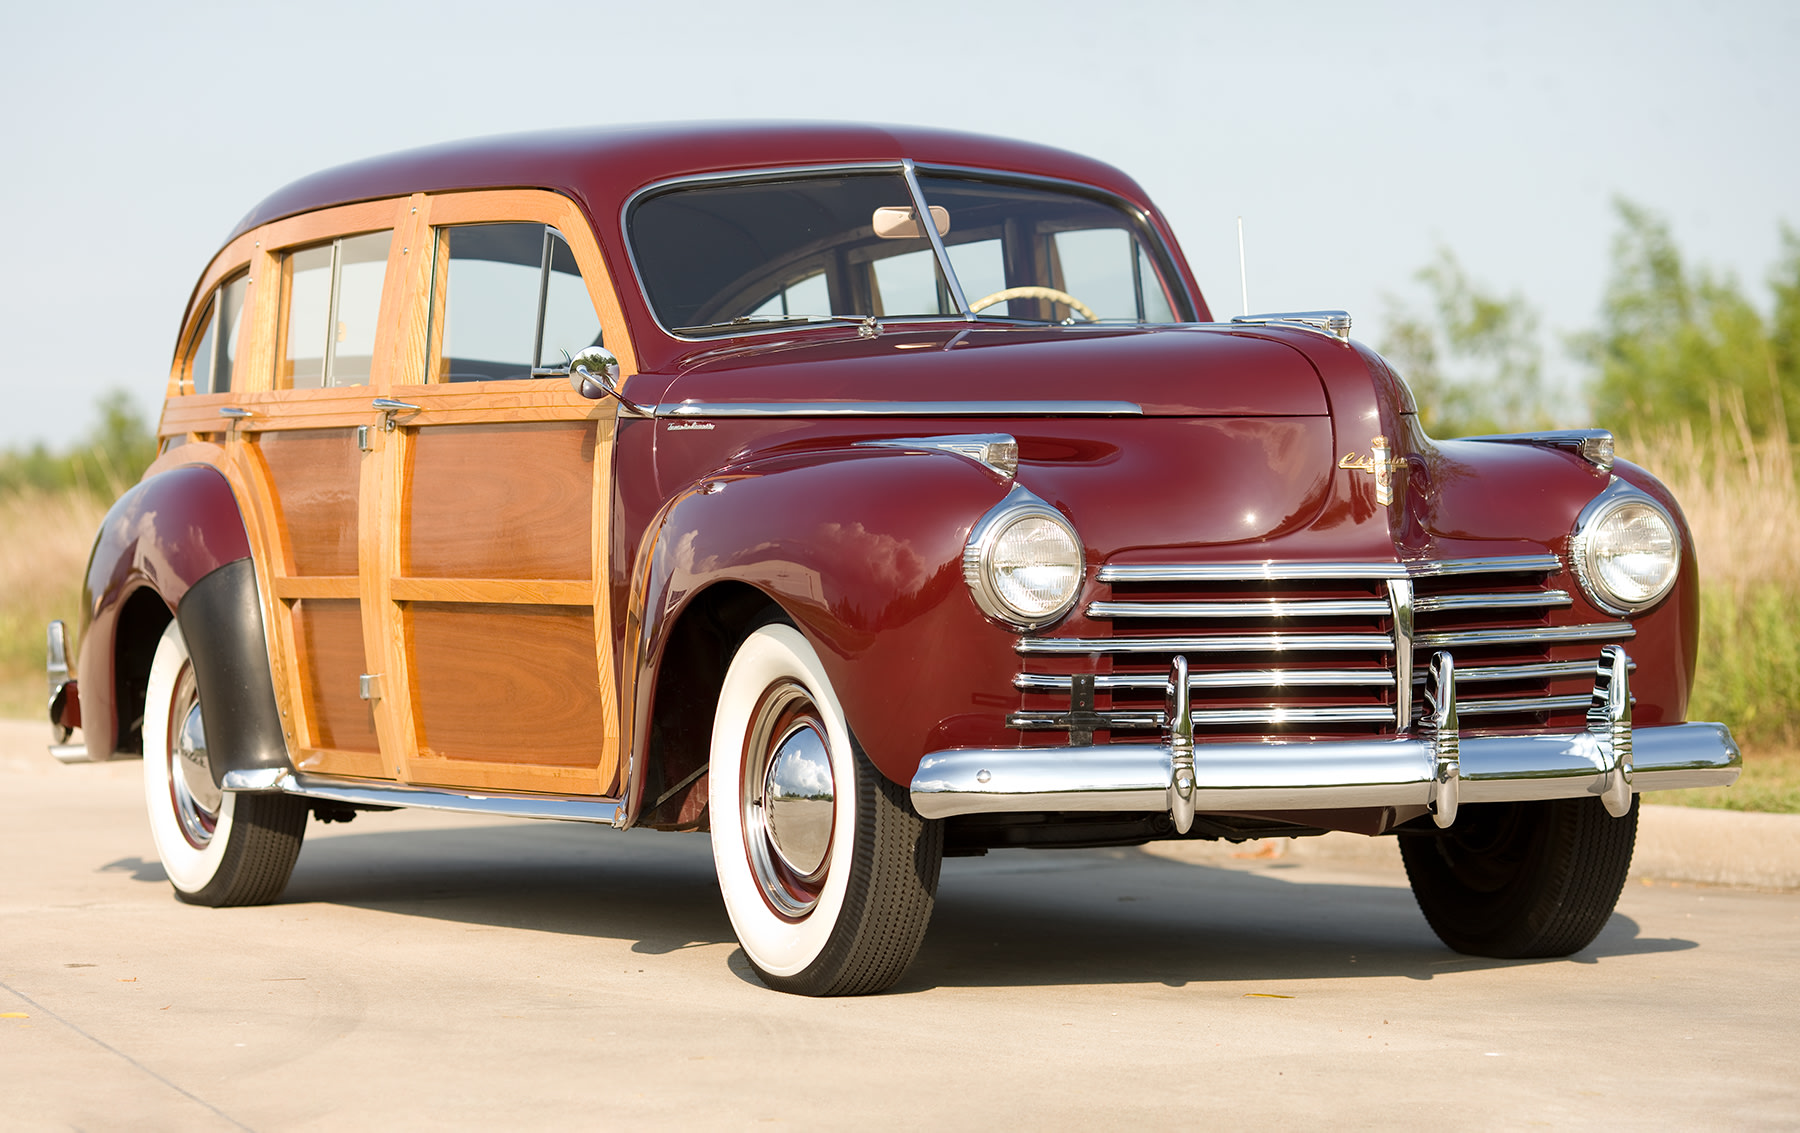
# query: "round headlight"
1023, 562
1626, 550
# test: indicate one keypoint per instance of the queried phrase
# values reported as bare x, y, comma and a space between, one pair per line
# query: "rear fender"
862, 550
157, 542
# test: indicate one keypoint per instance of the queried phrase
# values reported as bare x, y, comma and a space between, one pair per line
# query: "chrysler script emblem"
1376, 464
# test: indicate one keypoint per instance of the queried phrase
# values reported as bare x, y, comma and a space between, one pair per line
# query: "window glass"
308, 311
362, 265
716, 256
1045, 236
1096, 265
201, 370
980, 267
570, 322
231, 322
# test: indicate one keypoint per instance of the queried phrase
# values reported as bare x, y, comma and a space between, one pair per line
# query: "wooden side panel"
504, 500
507, 684
315, 475
329, 634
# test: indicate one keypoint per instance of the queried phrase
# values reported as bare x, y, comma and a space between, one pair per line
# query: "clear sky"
1354, 139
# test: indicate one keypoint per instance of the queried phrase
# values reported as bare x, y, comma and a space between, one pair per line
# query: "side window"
331, 300
506, 298
210, 365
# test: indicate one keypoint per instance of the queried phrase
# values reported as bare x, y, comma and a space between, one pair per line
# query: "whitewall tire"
218, 848
827, 872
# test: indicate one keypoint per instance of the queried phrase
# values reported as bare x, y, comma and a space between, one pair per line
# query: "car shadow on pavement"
1014, 918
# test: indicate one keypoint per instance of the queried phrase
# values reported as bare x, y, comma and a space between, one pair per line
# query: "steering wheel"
1049, 293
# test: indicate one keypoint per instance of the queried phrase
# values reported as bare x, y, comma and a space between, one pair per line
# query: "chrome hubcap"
789, 800
197, 798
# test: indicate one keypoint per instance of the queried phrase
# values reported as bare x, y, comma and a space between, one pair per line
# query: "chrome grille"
1316, 648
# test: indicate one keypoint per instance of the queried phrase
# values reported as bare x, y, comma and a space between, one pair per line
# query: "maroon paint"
165, 534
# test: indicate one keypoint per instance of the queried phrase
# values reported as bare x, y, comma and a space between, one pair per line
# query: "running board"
361, 792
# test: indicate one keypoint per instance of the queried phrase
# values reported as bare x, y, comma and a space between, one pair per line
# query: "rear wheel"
1521, 880
218, 847
827, 872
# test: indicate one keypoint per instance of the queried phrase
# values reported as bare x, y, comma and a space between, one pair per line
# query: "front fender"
862, 548
163, 536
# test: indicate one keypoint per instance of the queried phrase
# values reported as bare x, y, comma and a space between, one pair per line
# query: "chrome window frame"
909, 171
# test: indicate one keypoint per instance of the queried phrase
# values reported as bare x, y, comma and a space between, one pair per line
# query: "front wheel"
218, 848
1522, 880
827, 872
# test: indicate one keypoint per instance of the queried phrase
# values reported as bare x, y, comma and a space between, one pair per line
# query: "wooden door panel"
314, 476
329, 633
506, 684
502, 500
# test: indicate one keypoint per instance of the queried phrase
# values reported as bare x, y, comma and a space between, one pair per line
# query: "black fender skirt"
221, 618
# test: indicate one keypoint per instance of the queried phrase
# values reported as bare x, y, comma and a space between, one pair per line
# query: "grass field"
1739, 495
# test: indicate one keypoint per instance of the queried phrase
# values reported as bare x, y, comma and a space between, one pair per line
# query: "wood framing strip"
318, 586
499, 591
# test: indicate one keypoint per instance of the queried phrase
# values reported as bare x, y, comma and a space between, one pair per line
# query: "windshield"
719, 258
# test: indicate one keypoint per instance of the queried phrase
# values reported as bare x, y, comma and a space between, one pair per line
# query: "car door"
496, 648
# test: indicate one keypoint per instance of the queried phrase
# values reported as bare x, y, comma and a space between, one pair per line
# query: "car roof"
600, 166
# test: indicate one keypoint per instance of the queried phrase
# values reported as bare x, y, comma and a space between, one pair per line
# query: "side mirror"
594, 374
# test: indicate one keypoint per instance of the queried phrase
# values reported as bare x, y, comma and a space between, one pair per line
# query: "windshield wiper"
870, 328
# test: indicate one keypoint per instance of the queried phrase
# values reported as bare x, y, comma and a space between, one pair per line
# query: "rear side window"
215, 353
505, 298
331, 301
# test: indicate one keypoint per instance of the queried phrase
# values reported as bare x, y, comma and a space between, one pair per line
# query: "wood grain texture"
315, 478
317, 586
329, 633
506, 684
509, 500
525, 591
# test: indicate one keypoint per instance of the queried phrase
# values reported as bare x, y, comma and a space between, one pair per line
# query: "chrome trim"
56, 675
1333, 323
236, 412
1592, 445
923, 209
1138, 778
1403, 607
1242, 608
1237, 643
389, 408
261, 780
366, 793
1536, 599
901, 409
1181, 746
1443, 733
978, 551
1139, 720
1526, 636
1496, 706
1618, 493
1272, 570
71, 753
1609, 721
1551, 669
997, 451
1236, 678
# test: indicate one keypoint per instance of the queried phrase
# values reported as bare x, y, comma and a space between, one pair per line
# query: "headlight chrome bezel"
978, 560
1618, 496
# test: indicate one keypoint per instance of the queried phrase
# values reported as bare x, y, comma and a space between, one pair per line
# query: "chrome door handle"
236, 413
389, 407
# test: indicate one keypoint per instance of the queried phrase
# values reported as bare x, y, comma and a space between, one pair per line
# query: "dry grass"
44, 543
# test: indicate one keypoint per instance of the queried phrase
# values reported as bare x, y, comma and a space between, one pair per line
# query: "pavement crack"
113, 1050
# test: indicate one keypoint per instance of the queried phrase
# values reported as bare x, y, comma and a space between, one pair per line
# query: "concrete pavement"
428, 970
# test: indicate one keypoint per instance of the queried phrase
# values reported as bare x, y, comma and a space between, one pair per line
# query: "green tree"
1675, 341
105, 462
1475, 361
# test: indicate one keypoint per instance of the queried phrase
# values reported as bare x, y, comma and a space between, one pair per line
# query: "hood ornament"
1376, 464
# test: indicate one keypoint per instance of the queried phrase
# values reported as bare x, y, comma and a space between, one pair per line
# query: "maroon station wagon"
862, 496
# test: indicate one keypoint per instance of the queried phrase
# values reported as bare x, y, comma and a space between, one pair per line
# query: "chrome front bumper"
1437, 768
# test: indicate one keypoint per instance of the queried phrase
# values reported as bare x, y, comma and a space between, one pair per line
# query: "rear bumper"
1437, 768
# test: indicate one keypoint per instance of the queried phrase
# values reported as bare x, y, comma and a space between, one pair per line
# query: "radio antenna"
1243, 271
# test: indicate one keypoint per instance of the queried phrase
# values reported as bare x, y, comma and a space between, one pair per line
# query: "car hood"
1163, 372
